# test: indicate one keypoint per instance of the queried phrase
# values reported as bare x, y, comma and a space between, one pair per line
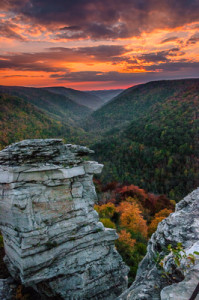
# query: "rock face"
53, 239
182, 226
7, 289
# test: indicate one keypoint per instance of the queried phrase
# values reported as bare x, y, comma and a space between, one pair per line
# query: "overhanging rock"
53, 239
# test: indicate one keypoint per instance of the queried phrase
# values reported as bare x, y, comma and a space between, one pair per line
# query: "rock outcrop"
182, 226
53, 239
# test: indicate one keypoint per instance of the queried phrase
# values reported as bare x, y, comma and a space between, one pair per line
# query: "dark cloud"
170, 39
104, 19
93, 76
28, 62
174, 66
160, 56
8, 30
154, 57
23, 76
43, 61
22, 66
95, 31
12, 4
193, 39
101, 52
71, 28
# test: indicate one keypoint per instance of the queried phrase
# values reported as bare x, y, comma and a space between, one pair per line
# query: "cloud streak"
118, 79
46, 61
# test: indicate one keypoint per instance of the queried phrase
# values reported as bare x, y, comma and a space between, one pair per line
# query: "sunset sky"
97, 44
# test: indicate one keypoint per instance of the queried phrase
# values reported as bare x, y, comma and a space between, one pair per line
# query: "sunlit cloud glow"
101, 44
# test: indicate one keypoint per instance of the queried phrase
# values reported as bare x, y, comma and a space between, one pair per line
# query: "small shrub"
1, 241
107, 223
178, 254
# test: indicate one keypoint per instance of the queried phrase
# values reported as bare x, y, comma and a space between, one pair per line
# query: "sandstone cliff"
53, 239
180, 227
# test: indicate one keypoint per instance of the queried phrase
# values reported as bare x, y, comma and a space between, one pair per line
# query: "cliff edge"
53, 239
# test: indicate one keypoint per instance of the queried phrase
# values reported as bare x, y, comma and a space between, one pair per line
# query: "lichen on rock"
53, 239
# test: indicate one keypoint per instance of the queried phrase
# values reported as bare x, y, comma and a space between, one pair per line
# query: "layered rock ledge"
182, 226
53, 239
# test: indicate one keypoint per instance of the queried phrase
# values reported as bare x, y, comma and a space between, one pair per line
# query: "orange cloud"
84, 45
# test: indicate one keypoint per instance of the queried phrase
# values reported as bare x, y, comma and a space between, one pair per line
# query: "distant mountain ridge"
80, 97
106, 95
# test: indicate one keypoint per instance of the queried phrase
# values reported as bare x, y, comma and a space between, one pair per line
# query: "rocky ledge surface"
182, 226
53, 239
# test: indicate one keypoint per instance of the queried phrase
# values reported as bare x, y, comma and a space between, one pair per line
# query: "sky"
97, 44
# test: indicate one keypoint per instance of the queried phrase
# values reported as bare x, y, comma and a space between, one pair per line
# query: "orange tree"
131, 218
161, 215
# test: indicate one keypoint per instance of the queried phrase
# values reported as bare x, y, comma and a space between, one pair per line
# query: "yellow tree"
131, 217
105, 210
107, 223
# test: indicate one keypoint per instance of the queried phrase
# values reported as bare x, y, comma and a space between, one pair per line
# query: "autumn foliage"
135, 215
131, 217
157, 219
107, 223
133, 191
150, 203
105, 210
125, 243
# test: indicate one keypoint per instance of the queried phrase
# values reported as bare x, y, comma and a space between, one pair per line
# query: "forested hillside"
131, 104
147, 135
21, 120
159, 150
56, 105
